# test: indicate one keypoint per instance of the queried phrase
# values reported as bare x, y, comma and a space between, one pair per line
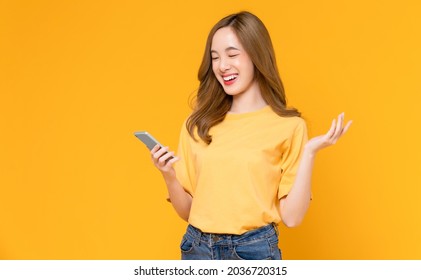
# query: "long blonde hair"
212, 103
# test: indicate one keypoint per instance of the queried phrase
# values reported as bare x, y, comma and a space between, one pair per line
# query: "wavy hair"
212, 103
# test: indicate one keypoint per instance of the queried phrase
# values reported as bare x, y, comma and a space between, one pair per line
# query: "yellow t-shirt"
236, 181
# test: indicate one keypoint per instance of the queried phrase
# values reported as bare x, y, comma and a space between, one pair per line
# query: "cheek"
249, 68
215, 70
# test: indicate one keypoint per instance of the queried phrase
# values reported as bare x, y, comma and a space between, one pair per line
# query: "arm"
294, 206
180, 199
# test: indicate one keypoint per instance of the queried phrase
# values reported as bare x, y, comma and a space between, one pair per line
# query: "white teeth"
229, 78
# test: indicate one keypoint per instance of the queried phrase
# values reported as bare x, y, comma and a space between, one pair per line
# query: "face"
230, 63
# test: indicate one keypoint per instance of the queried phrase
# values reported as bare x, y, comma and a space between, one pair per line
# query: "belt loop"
200, 237
275, 227
210, 239
230, 242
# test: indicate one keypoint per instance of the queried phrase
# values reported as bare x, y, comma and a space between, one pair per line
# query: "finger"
160, 152
346, 127
338, 128
173, 160
332, 129
165, 157
155, 149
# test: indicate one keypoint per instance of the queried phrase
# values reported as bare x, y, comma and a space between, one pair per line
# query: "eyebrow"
227, 49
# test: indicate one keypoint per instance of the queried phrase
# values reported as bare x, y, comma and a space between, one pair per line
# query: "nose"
224, 65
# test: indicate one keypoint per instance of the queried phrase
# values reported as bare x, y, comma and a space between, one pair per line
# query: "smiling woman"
243, 163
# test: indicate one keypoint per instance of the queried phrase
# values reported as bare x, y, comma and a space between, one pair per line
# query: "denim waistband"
228, 239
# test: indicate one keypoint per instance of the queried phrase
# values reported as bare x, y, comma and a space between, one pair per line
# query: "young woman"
244, 163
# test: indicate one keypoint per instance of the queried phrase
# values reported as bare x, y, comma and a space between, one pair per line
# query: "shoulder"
298, 128
294, 121
298, 123
288, 122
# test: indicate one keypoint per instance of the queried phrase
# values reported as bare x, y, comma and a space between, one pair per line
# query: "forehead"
225, 38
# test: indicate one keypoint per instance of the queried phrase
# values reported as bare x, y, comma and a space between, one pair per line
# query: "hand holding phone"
150, 142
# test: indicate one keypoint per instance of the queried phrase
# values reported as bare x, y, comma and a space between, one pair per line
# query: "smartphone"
148, 140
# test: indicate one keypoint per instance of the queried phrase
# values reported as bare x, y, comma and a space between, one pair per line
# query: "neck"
249, 101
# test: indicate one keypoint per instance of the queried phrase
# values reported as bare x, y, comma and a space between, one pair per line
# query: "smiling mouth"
230, 79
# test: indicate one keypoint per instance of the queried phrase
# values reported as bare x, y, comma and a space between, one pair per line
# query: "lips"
229, 79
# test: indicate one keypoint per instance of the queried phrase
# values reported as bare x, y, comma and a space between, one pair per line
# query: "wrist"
169, 176
309, 152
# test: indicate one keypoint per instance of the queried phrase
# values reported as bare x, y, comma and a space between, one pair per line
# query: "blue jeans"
258, 244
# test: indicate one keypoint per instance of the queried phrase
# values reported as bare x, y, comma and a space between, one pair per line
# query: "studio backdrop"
78, 78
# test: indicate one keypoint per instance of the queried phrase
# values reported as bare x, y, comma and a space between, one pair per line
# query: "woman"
244, 163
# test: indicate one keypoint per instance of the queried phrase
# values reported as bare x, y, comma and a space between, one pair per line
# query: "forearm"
180, 199
295, 205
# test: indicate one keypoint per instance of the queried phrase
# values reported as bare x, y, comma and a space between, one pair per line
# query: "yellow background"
77, 78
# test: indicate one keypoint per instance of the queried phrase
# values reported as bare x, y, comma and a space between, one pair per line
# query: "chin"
232, 92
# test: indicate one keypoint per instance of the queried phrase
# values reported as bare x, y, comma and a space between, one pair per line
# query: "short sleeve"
184, 168
291, 158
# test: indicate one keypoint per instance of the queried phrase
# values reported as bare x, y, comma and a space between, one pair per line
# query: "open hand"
337, 129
